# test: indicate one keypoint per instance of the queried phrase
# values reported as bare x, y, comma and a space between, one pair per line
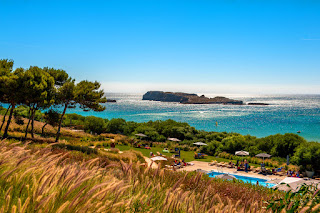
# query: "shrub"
116, 125
94, 124
83, 149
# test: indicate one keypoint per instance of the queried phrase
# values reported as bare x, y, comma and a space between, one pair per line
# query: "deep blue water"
245, 179
285, 114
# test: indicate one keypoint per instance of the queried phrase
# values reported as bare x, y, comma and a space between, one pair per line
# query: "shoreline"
229, 120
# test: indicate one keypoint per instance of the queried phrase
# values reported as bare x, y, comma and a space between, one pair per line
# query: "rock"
111, 101
187, 98
258, 104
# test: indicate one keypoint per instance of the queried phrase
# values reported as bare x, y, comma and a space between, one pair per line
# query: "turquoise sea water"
285, 114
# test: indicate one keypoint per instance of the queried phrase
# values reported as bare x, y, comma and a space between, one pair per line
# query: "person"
184, 163
237, 164
245, 166
241, 165
294, 174
289, 174
151, 154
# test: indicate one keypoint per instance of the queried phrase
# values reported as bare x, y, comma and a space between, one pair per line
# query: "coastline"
285, 114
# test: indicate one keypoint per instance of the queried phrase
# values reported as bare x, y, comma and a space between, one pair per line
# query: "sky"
212, 46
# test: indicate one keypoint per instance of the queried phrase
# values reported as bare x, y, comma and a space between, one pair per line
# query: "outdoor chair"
213, 162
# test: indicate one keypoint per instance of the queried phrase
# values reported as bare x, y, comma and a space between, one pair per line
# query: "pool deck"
205, 166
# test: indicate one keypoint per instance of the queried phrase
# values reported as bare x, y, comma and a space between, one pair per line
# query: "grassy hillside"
80, 175
47, 179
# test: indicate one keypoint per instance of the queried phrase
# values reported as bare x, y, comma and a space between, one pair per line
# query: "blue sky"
225, 46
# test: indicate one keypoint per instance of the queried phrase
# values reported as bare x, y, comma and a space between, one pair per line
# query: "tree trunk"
30, 114
5, 134
4, 117
60, 122
42, 132
32, 122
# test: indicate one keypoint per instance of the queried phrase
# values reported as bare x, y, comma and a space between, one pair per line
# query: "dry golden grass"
17, 130
45, 181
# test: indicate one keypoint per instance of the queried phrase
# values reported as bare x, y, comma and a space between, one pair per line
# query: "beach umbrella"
200, 144
174, 139
242, 153
291, 184
158, 158
201, 171
225, 177
274, 181
263, 155
141, 135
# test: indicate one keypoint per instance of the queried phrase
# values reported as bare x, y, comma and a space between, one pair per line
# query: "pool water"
245, 179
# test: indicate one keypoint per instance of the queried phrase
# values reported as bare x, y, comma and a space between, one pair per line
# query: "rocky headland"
187, 98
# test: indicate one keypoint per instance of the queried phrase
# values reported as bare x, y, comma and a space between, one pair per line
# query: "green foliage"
38, 88
308, 154
212, 148
23, 111
18, 118
73, 120
51, 117
6, 66
83, 149
94, 124
306, 199
86, 94
281, 145
60, 76
116, 125
89, 97
10, 88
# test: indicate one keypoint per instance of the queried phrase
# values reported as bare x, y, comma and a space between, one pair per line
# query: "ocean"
284, 114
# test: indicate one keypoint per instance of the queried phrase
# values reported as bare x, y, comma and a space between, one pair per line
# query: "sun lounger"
225, 164
258, 169
213, 162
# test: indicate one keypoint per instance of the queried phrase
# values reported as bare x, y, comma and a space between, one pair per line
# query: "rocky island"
111, 101
187, 98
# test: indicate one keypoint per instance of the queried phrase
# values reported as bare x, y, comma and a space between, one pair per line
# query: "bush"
83, 149
308, 155
94, 124
116, 125
212, 148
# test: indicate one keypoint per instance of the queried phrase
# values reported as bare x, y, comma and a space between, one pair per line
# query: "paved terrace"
205, 166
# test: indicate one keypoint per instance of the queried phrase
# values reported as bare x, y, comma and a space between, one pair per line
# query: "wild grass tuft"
47, 180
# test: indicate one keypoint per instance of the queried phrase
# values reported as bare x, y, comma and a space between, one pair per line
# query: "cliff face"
186, 98
164, 96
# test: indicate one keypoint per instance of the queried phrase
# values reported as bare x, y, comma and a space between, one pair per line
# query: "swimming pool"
246, 179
